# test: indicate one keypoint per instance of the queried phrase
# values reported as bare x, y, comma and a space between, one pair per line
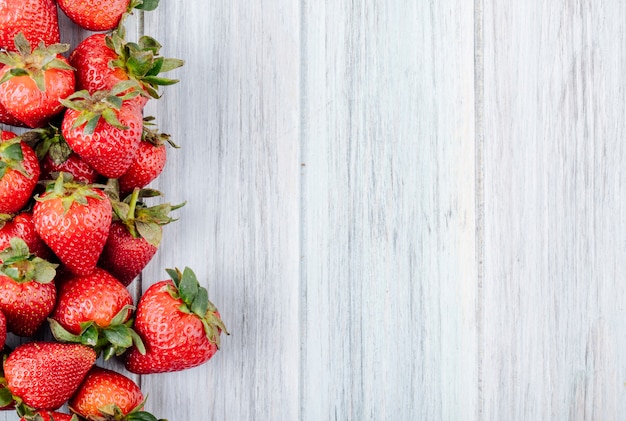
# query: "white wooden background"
404, 209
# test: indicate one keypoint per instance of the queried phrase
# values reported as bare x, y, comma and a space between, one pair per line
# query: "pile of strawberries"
75, 226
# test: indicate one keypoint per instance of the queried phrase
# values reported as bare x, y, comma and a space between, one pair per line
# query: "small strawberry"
73, 220
95, 15
109, 395
27, 293
56, 156
94, 310
19, 173
36, 19
102, 61
48, 416
104, 128
22, 226
149, 160
33, 81
179, 326
44, 375
134, 236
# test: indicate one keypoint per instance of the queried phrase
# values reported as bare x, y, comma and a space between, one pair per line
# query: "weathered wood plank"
389, 269
554, 210
236, 116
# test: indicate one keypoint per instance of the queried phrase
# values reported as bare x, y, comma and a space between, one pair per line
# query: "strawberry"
48, 416
96, 15
22, 226
93, 310
27, 293
73, 220
19, 172
102, 61
36, 19
104, 129
149, 159
44, 375
108, 395
32, 82
134, 236
56, 156
179, 326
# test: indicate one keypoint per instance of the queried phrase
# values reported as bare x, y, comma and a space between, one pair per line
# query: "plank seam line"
479, 195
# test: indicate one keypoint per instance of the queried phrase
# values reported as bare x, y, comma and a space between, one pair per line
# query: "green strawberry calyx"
141, 61
144, 221
12, 157
33, 62
48, 141
151, 135
104, 104
110, 340
70, 192
22, 266
195, 300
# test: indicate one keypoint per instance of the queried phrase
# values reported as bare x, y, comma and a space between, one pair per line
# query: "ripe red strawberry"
149, 160
56, 156
134, 236
19, 173
102, 61
104, 128
48, 416
36, 19
93, 310
73, 220
22, 226
179, 326
33, 81
106, 394
96, 15
27, 293
44, 375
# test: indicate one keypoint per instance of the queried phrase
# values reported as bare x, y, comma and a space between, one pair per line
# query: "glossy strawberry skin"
3, 330
94, 15
125, 256
25, 305
109, 150
21, 97
16, 188
77, 236
91, 60
51, 416
174, 340
46, 374
36, 19
96, 297
74, 165
148, 164
103, 387
22, 226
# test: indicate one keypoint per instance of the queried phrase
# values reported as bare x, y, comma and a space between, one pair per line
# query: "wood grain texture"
554, 210
389, 269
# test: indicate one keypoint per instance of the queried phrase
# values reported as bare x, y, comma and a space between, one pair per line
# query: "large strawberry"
19, 173
134, 236
73, 220
22, 226
44, 375
32, 82
109, 395
104, 128
36, 19
149, 160
96, 15
27, 293
95, 310
102, 61
179, 326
